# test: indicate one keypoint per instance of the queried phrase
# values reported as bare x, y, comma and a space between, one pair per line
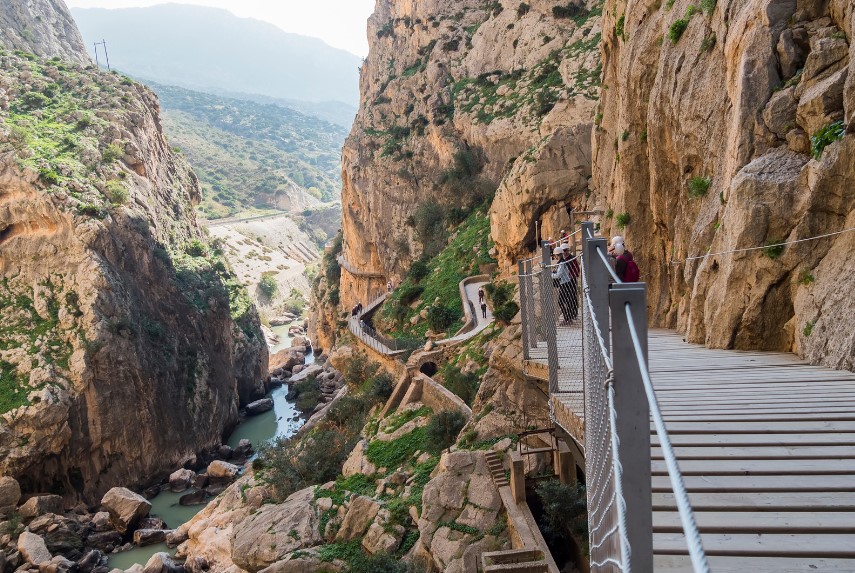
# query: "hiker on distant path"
354, 311
481, 295
484, 309
565, 238
359, 308
389, 287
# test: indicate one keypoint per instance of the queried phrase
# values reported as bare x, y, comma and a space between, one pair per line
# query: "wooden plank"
760, 467
758, 483
758, 439
759, 427
758, 452
759, 522
761, 501
723, 564
760, 416
835, 545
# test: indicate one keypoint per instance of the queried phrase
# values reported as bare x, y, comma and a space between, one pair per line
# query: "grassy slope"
468, 248
248, 154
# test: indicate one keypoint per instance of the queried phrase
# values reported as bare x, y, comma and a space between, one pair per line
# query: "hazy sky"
340, 23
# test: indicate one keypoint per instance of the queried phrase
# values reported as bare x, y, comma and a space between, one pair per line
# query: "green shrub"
523, 9
441, 317
112, 153
825, 137
564, 510
117, 192
396, 453
698, 186
506, 312
464, 385
410, 294
196, 248
808, 329
773, 249
443, 428
570, 11
622, 220
90, 210
610, 213
268, 286
676, 30
429, 223
708, 5
34, 100
49, 176
708, 43
807, 278
382, 386
619, 27
418, 271
625, 135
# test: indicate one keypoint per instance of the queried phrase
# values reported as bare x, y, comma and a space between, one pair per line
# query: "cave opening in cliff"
429, 369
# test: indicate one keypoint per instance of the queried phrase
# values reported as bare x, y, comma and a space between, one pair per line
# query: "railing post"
633, 419
598, 278
547, 298
524, 308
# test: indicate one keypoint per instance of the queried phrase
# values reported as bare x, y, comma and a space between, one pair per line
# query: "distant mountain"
211, 49
336, 112
248, 154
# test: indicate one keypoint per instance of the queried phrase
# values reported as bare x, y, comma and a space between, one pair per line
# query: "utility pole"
106, 55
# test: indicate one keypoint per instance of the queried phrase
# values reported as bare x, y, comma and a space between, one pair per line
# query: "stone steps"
497, 470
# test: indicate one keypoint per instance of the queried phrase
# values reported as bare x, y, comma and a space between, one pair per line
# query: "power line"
764, 246
106, 55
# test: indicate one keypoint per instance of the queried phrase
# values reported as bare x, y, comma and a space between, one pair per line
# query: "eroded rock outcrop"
127, 344
43, 27
705, 144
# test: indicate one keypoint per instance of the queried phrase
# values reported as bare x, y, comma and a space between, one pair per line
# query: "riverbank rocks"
259, 407
163, 563
125, 508
10, 494
221, 470
357, 462
32, 548
40, 505
310, 371
181, 479
145, 537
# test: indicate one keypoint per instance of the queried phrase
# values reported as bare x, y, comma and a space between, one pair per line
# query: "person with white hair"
624, 264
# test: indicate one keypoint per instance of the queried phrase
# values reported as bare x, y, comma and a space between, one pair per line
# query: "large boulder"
41, 505
32, 548
125, 508
357, 462
222, 470
10, 494
181, 479
106, 541
259, 406
162, 563
360, 513
58, 564
144, 537
268, 535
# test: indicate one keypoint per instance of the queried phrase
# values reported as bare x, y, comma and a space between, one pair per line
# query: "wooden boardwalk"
766, 444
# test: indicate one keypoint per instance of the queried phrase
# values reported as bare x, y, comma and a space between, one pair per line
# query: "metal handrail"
687, 515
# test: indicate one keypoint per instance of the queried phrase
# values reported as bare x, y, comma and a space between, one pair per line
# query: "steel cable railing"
684, 507
609, 545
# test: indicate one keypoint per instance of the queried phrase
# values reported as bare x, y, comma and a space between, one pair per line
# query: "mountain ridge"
175, 44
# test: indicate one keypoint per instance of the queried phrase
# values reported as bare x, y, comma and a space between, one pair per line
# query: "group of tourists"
566, 273
356, 310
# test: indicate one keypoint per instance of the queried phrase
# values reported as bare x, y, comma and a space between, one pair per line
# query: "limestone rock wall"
734, 100
42, 27
126, 346
512, 85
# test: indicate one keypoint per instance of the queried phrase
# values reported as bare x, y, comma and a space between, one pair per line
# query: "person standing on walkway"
480, 295
572, 287
561, 279
484, 309
359, 308
389, 287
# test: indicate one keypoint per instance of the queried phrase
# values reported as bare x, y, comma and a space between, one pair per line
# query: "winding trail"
472, 308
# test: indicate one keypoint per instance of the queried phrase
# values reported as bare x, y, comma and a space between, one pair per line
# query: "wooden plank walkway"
766, 444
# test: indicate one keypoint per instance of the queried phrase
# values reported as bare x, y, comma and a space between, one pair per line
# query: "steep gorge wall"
734, 99
126, 344
510, 87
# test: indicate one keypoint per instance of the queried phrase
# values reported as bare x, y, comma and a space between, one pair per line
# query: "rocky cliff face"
724, 126
460, 99
42, 27
126, 343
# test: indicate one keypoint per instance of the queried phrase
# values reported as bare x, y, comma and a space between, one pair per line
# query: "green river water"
282, 421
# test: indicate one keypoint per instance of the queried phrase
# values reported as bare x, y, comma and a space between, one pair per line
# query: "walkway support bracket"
598, 278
